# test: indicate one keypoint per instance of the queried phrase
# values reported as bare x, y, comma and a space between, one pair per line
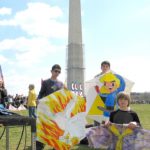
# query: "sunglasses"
57, 71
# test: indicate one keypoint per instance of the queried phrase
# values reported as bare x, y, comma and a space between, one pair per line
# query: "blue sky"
34, 36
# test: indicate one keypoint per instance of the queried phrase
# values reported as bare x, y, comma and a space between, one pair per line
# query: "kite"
119, 137
101, 94
61, 119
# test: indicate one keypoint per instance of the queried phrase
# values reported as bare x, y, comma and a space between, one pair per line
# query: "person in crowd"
48, 87
124, 115
3, 94
31, 101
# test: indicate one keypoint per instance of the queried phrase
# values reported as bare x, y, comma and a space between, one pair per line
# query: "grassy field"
143, 111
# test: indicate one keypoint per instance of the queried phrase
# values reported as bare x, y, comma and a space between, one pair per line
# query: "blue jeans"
32, 111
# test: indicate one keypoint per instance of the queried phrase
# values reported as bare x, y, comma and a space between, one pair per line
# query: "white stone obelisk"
75, 55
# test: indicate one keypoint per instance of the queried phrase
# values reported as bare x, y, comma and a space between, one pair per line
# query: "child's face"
105, 68
30, 87
123, 103
56, 72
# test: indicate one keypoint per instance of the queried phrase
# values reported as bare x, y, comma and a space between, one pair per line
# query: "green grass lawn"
143, 111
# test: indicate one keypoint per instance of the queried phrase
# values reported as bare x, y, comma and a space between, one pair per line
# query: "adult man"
47, 87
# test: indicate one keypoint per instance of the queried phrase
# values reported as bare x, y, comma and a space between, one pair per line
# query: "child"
121, 131
31, 101
49, 86
124, 115
105, 68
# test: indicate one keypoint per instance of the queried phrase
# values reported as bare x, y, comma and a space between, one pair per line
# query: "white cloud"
39, 19
8, 22
29, 51
40, 22
2, 59
5, 11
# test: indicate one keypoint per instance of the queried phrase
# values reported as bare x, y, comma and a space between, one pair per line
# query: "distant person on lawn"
31, 101
3, 93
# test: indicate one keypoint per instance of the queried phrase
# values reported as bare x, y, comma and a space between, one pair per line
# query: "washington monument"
75, 56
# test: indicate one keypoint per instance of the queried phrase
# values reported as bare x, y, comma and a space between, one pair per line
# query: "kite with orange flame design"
56, 114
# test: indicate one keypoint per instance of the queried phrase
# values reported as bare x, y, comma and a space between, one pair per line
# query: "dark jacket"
3, 96
49, 86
